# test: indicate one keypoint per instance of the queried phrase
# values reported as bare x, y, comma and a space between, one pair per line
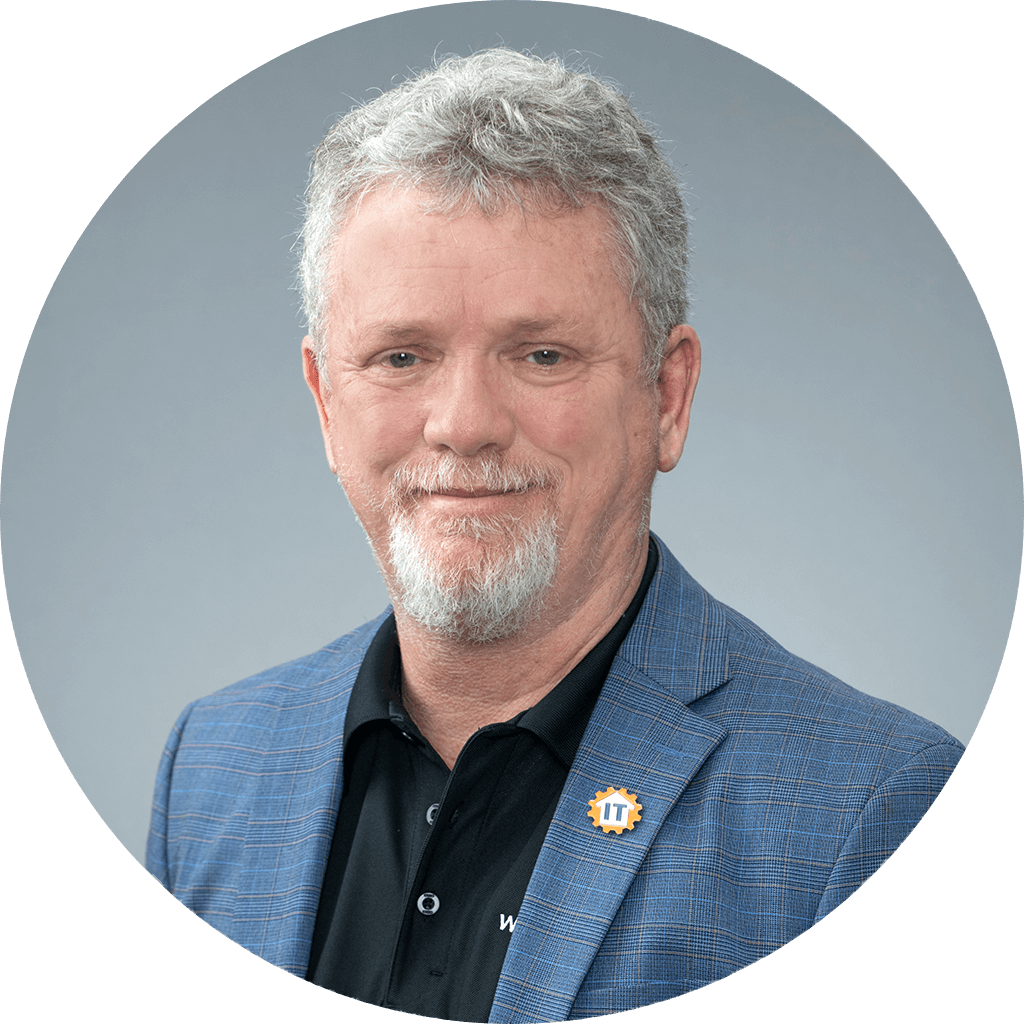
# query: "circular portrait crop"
687, 512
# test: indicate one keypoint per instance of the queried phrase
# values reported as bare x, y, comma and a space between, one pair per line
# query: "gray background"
851, 481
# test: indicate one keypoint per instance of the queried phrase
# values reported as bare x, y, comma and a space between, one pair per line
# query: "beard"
471, 578
492, 598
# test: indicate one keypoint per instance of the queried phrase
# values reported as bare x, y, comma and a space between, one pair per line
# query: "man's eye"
400, 360
545, 357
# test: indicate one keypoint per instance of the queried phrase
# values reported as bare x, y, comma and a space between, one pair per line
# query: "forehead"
394, 259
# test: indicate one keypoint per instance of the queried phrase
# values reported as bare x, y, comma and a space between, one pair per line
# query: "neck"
452, 688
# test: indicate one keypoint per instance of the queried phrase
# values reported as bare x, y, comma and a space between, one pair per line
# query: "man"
557, 779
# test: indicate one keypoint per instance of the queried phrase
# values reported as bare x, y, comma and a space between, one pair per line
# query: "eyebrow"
399, 332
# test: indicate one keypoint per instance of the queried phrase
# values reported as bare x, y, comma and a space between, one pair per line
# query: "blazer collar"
680, 637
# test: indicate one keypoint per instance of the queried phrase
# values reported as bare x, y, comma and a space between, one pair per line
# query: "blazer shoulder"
763, 673
221, 745
723, 666
326, 673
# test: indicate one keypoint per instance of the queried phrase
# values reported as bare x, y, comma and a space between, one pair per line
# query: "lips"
471, 492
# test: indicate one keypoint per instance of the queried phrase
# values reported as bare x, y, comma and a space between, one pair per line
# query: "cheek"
372, 430
595, 451
567, 426
616, 452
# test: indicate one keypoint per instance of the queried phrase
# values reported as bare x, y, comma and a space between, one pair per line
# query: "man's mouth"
453, 478
471, 492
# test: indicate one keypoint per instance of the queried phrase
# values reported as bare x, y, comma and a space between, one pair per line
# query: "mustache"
491, 472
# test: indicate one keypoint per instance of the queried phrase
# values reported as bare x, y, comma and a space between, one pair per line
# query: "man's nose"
470, 407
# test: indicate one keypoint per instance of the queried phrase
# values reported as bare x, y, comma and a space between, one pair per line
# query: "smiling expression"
487, 371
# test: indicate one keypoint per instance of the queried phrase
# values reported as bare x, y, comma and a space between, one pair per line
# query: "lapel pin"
614, 810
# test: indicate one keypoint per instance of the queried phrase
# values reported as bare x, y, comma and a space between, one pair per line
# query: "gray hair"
502, 129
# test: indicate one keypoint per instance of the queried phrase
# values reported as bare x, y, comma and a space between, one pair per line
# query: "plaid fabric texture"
770, 792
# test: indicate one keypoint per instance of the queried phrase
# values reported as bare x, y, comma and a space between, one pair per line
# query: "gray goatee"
497, 593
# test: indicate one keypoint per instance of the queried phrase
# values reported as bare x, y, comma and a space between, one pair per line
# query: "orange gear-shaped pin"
614, 810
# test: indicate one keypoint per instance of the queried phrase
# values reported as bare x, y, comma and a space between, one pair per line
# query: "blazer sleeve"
888, 817
157, 859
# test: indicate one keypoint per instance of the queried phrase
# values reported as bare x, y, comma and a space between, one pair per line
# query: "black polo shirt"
428, 867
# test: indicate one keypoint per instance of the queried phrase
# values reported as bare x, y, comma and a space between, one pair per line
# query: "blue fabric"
770, 792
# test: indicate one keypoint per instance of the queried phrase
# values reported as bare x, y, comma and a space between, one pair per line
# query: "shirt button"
428, 904
432, 813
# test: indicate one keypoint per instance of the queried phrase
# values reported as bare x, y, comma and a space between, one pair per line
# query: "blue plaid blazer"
770, 792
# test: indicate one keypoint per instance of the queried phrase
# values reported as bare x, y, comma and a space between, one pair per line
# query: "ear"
320, 395
677, 381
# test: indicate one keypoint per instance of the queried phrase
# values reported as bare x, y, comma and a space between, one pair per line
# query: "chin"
473, 579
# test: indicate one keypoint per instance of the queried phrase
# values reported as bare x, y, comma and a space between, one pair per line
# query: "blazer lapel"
641, 737
291, 819
583, 873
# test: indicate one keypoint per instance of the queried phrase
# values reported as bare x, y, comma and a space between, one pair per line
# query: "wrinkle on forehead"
535, 201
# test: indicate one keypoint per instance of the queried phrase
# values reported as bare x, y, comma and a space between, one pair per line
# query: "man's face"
486, 396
